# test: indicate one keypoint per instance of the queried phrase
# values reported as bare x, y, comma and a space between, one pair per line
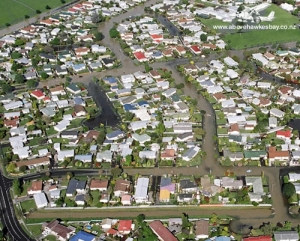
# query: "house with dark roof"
187, 186
75, 186
60, 231
115, 135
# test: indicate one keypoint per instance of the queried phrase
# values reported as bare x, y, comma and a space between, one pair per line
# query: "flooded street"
107, 114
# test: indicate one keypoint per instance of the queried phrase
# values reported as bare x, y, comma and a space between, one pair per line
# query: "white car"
249, 171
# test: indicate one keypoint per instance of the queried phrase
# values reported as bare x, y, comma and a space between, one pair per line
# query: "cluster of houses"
147, 39
21, 50
168, 190
165, 231
178, 141
240, 101
62, 106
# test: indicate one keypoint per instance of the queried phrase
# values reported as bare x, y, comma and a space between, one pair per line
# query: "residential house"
277, 155
257, 188
104, 156
79, 110
161, 231
187, 186
79, 199
190, 153
40, 200
185, 197
69, 134
83, 236
75, 186
60, 231
202, 229
100, 185
124, 227
231, 184
122, 187
87, 158
34, 163
115, 135
126, 200
36, 187
73, 88
286, 236
141, 190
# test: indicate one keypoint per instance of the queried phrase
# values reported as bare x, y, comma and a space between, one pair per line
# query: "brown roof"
78, 108
52, 187
269, 55
285, 89
168, 153
167, 52
180, 49
219, 96
81, 50
264, 101
59, 229
99, 184
274, 153
122, 185
36, 186
154, 73
33, 161
91, 135
57, 88
161, 231
190, 67
211, 46
11, 123
234, 127
201, 227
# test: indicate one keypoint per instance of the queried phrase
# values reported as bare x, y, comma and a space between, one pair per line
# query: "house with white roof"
62, 154
230, 62
141, 190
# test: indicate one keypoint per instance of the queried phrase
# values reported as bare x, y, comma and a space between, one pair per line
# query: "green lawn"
36, 230
259, 37
28, 205
14, 11
50, 238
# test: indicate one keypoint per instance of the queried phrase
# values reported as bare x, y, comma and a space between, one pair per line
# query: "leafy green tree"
31, 83
6, 88
38, 11
99, 36
114, 33
59, 202
140, 218
22, 168
48, 7
266, 228
288, 189
19, 79
147, 67
26, 16
185, 221
55, 41
115, 172
17, 187
69, 175
44, 75
11, 167
203, 37
16, 55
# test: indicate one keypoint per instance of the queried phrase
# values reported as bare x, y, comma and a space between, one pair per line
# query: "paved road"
8, 217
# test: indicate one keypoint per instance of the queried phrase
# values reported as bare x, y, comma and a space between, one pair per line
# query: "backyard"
260, 37
14, 11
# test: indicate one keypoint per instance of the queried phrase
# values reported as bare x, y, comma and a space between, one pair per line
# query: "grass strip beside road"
158, 212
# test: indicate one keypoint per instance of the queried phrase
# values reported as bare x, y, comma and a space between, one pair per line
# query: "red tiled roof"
259, 238
124, 225
37, 93
161, 231
286, 133
195, 48
139, 55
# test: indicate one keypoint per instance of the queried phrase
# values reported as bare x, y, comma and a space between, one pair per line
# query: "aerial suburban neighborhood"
150, 120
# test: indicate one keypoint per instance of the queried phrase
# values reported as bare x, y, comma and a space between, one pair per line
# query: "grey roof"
74, 185
190, 152
79, 197
69, 133
185, 195
185, 135
165, 181
115, 134
286, 235
187, 183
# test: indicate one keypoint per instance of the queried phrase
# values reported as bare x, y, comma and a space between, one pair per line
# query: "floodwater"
173, 30
108, 115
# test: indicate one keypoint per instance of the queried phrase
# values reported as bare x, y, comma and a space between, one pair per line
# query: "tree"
6, 88
44, 75
11, 167
114, 33
31, 83
160, 128
185, 221
203, 37
55, 41
34, 62
7, 24
26, 16
48, 7
214, 219
128, 160
288, 189
240, 8
69, 175
22, 168
99, 36
115, 172
19, 79
59, 202
17, 187
63, 1
147, 67
38, 11
140, 218
129, 116
266, 228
